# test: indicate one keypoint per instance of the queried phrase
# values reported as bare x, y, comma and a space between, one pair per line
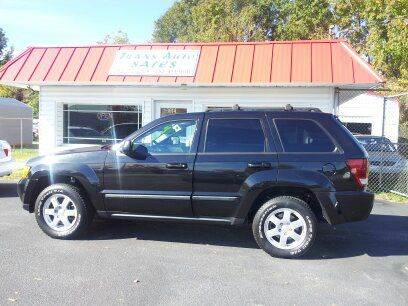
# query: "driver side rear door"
161, 184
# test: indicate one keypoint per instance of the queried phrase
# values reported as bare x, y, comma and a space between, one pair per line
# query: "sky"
77, 22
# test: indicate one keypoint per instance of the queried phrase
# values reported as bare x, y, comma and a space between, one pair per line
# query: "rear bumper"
348, 206
6, 168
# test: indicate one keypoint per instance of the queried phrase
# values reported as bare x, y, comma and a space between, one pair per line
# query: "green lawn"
20, 156
392, 197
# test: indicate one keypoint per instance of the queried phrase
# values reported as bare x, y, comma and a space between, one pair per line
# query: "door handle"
259, 165
176, 166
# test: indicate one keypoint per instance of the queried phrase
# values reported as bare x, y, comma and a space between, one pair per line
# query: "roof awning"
271, 63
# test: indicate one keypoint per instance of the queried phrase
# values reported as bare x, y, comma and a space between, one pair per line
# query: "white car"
6, 161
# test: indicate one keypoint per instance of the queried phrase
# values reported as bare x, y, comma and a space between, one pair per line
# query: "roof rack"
287, 108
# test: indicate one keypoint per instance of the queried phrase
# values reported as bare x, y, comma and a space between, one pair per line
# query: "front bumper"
346, 206
23, 190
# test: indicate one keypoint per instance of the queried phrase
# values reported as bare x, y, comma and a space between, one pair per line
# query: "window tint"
235, 135
169, 137
303, 136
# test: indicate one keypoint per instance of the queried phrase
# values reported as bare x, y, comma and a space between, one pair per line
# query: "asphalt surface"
155, 263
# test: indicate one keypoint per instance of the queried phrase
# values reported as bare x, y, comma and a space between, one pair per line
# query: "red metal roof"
317, 62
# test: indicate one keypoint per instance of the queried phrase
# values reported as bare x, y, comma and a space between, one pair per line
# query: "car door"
233, 148
160, 184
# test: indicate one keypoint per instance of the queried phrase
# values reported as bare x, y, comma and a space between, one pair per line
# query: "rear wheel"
284, 227
62, 212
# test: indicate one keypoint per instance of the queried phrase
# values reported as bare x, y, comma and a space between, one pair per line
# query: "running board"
157, 217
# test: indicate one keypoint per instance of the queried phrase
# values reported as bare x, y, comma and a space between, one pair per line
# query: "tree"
304, 19
210, 20
117, 38
27, 96
244, 20
5, 54
378, 29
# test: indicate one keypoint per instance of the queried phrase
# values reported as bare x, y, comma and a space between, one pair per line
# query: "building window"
99, 124
358, 128
165, 111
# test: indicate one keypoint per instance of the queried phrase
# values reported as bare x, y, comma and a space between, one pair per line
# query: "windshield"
376, 144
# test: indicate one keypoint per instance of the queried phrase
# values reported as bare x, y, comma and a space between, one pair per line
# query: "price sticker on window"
176, 128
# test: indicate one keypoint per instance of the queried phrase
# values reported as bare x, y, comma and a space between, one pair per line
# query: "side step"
165, 218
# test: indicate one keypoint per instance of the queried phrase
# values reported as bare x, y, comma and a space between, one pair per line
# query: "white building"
371, 114
85, 90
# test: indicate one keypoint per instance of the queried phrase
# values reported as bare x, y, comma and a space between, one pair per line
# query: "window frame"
66, 112
193, 148
261, 119
337, 147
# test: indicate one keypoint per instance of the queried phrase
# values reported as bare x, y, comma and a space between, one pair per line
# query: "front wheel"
62, 212
284, 227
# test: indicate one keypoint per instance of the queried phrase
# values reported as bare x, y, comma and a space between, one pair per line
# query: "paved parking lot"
168, 263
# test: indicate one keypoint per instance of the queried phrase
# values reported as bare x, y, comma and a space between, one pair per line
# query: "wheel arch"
85, 180
303, 193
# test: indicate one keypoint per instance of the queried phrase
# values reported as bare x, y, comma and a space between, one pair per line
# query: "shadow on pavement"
8, 189
380, 235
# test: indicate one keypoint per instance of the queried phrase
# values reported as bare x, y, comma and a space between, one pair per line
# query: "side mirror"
126, 147
139, 152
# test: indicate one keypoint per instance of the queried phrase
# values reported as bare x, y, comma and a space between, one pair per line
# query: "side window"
234, 135
303, 136
169, 137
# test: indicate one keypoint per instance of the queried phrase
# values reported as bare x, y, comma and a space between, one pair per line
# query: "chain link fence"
373, 116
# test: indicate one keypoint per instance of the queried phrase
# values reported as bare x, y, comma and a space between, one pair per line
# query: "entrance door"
172, 107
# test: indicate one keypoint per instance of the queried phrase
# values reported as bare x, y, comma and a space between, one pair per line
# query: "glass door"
172, 108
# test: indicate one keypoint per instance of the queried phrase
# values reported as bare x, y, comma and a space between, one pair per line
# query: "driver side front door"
161, 184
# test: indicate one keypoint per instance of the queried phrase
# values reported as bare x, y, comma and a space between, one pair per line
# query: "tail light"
359, 170
6, 152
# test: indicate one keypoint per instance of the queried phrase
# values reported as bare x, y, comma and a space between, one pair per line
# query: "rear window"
235, 135
303, 136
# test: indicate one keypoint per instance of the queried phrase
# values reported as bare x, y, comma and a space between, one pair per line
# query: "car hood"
87, 155
385, 156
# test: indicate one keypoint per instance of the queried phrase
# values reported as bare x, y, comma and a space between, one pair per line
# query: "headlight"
25, 171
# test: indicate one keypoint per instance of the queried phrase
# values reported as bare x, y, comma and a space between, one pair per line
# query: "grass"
392, 197
20, 157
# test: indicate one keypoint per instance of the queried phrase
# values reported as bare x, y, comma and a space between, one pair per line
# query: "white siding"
53, 97
368, 108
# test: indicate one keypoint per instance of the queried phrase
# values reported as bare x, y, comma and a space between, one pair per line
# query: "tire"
62, 211
281, 218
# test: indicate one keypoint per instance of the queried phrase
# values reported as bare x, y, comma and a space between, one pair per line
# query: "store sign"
155, 62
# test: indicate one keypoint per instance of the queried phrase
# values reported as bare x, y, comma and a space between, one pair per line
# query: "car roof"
236, 112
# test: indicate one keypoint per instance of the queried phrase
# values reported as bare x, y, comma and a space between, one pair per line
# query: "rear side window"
235, 135
303, 136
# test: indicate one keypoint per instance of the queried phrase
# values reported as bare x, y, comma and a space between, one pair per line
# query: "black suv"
280, 170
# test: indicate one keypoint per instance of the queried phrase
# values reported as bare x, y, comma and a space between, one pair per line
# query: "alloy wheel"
285, 228
60, 212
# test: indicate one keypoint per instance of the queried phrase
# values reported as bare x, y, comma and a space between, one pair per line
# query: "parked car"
280, 170
6, 161
383, 157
